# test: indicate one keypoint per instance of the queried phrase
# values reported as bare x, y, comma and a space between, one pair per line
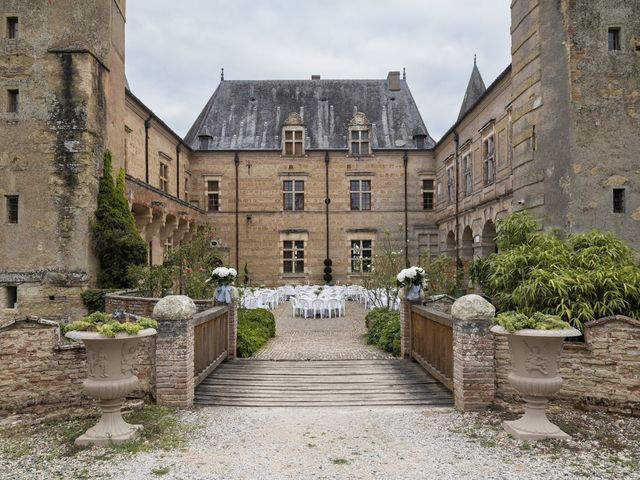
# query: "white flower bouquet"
411, 279
223, 277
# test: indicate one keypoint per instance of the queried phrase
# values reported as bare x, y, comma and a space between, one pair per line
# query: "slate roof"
475, 89
248, 114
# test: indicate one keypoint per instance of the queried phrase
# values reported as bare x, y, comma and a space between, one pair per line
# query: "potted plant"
411, 279
223, 278
535, 344
111, 342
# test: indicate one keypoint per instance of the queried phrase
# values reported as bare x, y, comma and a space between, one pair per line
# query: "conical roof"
475, 89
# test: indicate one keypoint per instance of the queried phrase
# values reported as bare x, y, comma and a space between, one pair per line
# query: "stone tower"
61, 104
576, 113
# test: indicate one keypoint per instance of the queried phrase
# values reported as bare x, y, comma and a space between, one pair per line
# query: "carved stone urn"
534, 373
110, 361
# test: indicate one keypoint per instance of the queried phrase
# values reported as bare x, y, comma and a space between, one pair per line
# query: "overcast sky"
175, 50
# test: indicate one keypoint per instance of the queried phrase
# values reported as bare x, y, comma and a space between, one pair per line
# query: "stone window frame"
12, 203
425, 190
364, 234
294, 193
290, 242
210, 194
357, 254
467, 172
360, 194
12, 25
619, 197
359, 135
614, 39
8, 293
293, 136
488, 158
450, 184
164, 177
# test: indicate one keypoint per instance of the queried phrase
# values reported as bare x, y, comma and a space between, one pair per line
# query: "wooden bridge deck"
330, 383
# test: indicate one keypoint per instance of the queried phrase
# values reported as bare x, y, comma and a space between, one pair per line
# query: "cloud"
174, 55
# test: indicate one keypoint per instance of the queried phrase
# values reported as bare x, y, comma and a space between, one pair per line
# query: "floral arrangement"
411, 276
223, 276
110, 324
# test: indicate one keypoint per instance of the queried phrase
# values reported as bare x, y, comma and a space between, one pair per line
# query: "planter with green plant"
111, 342
535, 344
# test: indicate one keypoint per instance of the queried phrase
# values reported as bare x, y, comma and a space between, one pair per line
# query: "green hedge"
255, 327
93, 299
384, 329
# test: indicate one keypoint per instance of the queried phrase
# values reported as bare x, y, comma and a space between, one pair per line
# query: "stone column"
174, 351
473, 352
233, 328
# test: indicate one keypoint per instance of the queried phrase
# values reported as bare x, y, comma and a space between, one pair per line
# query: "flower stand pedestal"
111, 378
534, 361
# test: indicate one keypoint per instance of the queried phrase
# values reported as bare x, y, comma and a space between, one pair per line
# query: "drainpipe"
405, 161
147, 126
178, 169
327, 200
236, 161
456, 140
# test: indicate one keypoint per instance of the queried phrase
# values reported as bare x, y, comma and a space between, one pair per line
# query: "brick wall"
128, 302
603, 373
37, 369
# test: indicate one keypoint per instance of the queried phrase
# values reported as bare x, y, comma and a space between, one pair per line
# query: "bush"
589, 276
94, 299
384, 329
115, 237
255, 327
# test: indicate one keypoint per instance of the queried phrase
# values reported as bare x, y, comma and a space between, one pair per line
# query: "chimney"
393, 81
315, 77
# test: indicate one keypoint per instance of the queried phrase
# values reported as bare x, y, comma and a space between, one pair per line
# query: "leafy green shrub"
512, 321
589, 276
94, 299
441, 275
255, 327
154, 281
108, 325
384, 329
116, 240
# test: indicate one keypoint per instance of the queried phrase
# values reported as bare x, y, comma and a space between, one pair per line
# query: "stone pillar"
405, 324
473, 351
233, 328
174, 351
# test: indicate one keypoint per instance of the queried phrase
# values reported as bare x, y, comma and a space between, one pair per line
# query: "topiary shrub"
328, 262
384, 329
586, 277
327, 277
116, 240
255, 327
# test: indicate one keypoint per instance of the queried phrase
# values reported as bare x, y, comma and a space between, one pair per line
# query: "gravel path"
341, 338
354, 443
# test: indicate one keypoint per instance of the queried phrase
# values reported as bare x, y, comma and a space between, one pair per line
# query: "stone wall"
39, 369
603, 373
143, 306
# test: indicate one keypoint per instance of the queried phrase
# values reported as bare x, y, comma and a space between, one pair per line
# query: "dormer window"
359, 135
203, 142
293, 135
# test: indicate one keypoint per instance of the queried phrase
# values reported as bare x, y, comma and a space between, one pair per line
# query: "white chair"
333, 307
318, 306
305, 306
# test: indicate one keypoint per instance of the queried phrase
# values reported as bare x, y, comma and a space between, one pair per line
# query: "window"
450, 185
203, 142
186, 189
468, 176
12, 208
489, 171
360, 191
428, 247
427, 195
293, 256
11, 297
164, 177
361, 256
12, 27
359, 142
213, 195
614, 38
293, 142
293, 195
618, 200
13, 100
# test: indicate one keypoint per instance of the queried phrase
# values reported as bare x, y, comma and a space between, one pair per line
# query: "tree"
115, 238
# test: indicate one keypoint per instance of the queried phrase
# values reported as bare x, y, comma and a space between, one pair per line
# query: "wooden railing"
211, 341
432, 343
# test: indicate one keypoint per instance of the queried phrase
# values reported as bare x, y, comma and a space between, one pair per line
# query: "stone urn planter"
534, 362
110, 361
